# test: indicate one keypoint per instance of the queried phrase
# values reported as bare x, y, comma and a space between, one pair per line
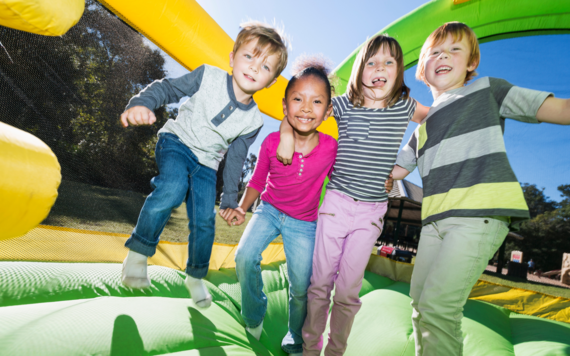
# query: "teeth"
304, 120
442, 69
379, 79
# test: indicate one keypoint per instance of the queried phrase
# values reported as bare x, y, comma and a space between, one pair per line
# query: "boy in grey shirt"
219, 112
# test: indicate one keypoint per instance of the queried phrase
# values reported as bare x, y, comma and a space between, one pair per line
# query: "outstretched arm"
139, 111
554, 111
420, 113
286, 147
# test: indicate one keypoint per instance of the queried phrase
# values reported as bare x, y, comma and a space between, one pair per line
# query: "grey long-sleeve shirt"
211, 122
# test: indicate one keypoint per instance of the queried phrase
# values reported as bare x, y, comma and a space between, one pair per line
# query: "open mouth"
442, 70
248, 77
304, 120
380, 81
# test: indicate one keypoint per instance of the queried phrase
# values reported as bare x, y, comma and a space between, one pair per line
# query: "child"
220, 111
372, 118
290, 202
471, 195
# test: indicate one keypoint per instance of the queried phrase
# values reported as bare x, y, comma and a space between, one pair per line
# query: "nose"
380, 67
443, 55
306, 107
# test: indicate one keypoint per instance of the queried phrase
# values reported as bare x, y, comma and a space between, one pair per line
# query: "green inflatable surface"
83, 309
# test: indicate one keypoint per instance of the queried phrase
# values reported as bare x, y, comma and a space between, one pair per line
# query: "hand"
138, 115
285, 152
233, 217
389, 183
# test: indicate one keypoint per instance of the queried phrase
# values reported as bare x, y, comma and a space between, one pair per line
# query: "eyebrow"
295, 91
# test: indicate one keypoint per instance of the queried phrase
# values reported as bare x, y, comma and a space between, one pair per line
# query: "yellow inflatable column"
29, 178
42, 17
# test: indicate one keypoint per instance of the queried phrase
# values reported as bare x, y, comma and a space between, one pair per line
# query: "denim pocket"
358, 129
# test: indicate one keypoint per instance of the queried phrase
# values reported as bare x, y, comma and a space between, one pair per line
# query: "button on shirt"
294, 189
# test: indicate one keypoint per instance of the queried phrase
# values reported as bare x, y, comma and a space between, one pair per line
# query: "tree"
565, 190
546, 235
70, 90
537, 202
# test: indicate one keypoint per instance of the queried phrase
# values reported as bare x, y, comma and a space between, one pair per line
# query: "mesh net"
69, 91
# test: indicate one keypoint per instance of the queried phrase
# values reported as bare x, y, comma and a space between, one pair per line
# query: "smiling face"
378, 77
252, 73
307, 104
447, 64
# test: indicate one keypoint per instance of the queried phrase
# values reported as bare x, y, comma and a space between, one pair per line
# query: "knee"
246, 261
347, 296
169, 194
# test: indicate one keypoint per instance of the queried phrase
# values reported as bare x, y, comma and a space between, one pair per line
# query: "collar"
232, 95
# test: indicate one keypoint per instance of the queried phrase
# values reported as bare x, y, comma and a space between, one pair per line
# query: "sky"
539, 154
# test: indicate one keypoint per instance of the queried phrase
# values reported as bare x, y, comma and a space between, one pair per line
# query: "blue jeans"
299, 242
180, 177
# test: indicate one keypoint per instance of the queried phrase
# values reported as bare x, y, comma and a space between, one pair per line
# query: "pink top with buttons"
294, 189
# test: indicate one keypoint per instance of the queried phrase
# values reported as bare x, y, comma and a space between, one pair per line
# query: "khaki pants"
452, 254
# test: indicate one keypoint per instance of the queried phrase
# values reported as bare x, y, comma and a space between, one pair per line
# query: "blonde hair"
269, 40
370, 48
457, 30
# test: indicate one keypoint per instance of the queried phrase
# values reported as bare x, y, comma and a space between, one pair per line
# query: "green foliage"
537, 202
70, 91
547, 234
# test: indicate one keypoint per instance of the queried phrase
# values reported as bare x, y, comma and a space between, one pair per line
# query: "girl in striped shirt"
372, 118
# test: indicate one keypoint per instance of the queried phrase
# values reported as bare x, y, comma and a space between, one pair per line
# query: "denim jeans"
452, 254
298, 241
180, 177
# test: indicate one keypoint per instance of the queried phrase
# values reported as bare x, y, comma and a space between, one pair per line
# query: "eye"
266, 68
370, 64
456, 49
435, 52
389, 62
247, 56
296, 99
318, 102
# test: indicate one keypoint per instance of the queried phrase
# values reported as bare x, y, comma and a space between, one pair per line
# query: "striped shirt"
461, 155
368, 143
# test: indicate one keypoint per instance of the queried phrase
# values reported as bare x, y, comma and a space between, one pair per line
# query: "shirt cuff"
228, 201
406, 165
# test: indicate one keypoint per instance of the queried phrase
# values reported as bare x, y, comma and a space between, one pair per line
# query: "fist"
138, 115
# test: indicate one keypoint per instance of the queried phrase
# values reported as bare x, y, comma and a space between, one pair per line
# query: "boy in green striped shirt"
471, 194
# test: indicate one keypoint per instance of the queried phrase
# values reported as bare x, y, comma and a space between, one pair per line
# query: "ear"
284, 108
231, 59
329, 111
472, 66
270, 84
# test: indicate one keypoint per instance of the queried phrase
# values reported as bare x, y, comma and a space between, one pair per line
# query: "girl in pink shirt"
289, 204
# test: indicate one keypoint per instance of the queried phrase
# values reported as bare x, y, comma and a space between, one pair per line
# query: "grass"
523, 284
82, 206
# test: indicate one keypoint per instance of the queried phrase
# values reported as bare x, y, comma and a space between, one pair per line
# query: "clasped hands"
234, 217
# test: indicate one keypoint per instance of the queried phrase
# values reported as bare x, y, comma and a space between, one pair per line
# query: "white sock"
135, 271
198, 292
255, 332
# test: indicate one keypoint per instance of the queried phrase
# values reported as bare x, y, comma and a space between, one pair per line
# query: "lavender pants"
346, 233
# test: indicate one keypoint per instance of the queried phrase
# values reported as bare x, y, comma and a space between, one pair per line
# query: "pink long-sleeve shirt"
294, 189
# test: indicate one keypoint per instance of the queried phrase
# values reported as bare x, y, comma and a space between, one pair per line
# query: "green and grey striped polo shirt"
460, 152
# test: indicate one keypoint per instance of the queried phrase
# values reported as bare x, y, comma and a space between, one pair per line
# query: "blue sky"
539, 154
